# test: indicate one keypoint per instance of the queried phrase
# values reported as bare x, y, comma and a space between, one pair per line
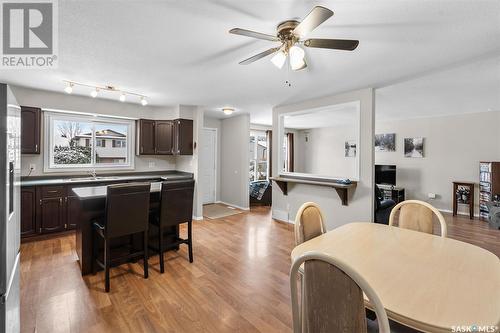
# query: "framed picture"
414, 147
350, 148
385, 142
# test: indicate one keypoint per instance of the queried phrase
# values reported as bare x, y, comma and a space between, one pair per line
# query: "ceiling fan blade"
317, 16
253, 34
259, 56
337, 44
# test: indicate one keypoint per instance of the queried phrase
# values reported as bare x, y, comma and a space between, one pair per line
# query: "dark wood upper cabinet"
164, 135
147, 137
28, 212
30, 130
183, 133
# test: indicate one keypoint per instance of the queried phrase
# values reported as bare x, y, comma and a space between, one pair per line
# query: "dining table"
426, 282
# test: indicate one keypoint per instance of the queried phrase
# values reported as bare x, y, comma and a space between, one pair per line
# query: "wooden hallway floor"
237, 283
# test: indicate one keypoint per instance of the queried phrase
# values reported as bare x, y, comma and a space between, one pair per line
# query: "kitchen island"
50, 205
92, 202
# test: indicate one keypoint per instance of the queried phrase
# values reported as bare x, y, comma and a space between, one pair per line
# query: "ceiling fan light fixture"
297, 60
279, 59
228, 111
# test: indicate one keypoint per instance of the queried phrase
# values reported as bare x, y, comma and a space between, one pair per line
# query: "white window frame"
49, 165
254, 158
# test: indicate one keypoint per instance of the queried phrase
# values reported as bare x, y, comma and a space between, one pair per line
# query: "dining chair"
176, 207
417, 215
334, 297
126, 214
309, 223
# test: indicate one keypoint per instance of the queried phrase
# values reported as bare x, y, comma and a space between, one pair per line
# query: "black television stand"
393, 192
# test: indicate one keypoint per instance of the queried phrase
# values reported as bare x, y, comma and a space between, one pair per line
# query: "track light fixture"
69, 88
96, 89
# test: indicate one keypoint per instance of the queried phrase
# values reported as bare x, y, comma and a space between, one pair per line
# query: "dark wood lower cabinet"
28, 212
51, 215
72, 212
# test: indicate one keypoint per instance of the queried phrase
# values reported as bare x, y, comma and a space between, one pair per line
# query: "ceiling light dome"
228, 111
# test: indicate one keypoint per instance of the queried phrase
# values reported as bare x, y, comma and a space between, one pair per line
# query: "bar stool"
176, 207
127, 212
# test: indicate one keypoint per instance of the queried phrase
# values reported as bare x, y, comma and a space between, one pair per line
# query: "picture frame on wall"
385, 142
414, 147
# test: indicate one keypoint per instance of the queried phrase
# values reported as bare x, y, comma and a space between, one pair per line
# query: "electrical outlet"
432, 195
151, 165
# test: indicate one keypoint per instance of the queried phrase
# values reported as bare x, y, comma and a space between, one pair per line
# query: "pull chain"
288, 82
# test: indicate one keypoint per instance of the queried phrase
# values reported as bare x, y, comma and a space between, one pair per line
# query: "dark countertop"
85, 179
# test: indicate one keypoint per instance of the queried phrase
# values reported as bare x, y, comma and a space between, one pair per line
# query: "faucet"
92, 173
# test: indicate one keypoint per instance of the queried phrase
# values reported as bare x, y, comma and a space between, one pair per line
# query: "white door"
208, 164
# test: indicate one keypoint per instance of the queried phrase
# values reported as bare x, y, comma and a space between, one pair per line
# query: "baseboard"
232, 205
281, 215
197, 218
458, 213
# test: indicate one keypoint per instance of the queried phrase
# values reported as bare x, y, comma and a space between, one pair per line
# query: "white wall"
210, 122
235, 160
52, 100
453, 147
324, 151
360, 206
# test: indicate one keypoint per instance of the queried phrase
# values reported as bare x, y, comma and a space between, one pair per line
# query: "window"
258, 156
71, 138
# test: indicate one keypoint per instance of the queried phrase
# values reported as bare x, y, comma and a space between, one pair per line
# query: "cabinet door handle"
40, 202
36, 147
52, 191
60, 201
66, 199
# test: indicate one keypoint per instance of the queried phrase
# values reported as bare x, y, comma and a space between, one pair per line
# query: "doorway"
208, 162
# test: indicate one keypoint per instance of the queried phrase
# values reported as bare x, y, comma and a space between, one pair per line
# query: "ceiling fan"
290, 33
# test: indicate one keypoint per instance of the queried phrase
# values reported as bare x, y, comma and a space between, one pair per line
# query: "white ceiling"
346, 114
180, 52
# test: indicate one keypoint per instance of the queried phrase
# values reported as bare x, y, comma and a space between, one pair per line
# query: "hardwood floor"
237, 283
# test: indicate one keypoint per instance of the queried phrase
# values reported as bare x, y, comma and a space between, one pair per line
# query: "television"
385, 174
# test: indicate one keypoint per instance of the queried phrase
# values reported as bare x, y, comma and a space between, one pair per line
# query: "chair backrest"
127, 209
176, 202
417, 215
333, 296
309, 222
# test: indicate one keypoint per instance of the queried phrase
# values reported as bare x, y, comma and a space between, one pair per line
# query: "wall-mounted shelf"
342, 189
